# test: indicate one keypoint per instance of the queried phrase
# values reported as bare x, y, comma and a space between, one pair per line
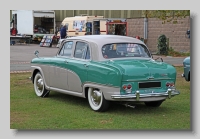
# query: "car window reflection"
82, 50
66, 49
124, 50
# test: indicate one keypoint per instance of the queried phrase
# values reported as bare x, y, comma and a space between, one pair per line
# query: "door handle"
86, 65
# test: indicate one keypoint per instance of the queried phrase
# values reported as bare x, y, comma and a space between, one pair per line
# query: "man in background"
63, 32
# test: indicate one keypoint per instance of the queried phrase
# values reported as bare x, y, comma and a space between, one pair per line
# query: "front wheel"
39, 86
154, 103
96, 100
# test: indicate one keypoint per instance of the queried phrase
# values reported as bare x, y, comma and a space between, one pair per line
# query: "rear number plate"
149, 84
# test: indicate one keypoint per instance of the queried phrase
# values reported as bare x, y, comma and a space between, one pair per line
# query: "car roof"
101, 40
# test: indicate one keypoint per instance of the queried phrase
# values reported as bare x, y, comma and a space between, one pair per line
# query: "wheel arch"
86, 88
86, 92
34, 73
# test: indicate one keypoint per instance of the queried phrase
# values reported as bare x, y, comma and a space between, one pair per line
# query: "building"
149, 29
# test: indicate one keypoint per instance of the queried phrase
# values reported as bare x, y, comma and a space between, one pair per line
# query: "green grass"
60, 111
174, 53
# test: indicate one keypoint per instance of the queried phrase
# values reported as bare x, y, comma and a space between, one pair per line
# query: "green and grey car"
105, 68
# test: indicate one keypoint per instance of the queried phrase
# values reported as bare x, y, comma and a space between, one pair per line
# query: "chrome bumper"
170, 93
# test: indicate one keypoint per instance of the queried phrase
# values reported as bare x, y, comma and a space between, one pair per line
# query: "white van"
93, 25
82, 25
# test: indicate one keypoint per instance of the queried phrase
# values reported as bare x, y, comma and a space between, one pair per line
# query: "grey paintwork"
95, 43
75, 86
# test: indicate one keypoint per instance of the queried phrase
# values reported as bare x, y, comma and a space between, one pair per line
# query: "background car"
105, 68
40, 29
186, 66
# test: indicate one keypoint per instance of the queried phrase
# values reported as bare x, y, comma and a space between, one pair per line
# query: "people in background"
63, 32
13, 31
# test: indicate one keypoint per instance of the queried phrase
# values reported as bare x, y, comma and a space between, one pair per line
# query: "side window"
82, 50
66, 49
88, 54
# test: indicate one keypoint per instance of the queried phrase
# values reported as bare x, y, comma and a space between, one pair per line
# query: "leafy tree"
167, 15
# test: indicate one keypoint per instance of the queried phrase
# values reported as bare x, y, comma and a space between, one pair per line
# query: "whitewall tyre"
39, 86
96, 100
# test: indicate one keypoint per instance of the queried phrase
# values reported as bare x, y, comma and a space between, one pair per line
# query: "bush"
162, 45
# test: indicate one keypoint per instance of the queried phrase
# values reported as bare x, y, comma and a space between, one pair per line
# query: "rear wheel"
96, 100
39, 86
153, 103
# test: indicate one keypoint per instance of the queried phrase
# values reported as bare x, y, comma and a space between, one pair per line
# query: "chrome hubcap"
96, 97
39, 84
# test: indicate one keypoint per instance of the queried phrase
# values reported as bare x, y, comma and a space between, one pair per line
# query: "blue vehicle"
186, 65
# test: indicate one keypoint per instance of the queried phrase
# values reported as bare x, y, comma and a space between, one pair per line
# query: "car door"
59, 70
78, 66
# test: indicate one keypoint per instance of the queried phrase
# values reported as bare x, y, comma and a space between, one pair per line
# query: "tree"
167, 15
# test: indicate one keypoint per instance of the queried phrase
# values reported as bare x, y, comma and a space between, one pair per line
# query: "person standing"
63, 32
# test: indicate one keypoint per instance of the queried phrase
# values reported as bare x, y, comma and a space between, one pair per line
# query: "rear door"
78, 66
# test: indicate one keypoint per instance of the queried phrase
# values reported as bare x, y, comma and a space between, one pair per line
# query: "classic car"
186, 66
105, 68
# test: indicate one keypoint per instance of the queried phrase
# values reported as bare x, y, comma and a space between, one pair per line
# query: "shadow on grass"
115, 107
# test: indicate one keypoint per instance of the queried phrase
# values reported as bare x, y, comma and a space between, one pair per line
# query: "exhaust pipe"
128, 105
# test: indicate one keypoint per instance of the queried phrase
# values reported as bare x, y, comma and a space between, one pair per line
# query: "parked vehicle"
186, 66
105, 68
94, 25
25, 21
40, 30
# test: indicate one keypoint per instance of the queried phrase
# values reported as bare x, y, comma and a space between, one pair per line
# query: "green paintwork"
117, 72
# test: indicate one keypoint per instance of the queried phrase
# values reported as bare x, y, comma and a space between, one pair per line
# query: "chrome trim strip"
67, 92
150, 78
142, 80
136, 96
108, 85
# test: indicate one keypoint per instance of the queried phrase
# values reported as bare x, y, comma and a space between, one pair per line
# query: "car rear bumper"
145, 97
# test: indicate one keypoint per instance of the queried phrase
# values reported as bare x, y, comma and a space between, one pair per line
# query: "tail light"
169, 84
127, 88
124, 87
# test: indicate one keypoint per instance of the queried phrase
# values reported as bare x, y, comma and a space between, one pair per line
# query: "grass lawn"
60, 111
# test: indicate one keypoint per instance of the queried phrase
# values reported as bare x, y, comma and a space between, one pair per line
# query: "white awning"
43, 14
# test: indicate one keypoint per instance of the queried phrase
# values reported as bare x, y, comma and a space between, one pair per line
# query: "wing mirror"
36, 53
156, 58
159, 58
